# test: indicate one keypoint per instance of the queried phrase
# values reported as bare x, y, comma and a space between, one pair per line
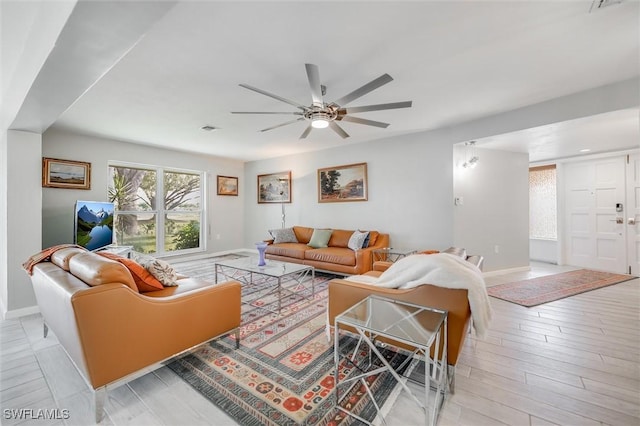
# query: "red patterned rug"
282, 374
546, 289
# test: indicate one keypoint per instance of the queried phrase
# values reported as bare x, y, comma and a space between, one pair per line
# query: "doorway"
602, 208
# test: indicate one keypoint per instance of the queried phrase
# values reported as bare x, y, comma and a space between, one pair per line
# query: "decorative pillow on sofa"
143, 278
320, 238
356, 242
160, 269
283, 235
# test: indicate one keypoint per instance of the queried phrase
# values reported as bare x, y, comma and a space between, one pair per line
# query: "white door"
594, 238
632, 214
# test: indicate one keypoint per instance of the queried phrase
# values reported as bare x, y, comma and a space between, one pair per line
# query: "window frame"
160, 213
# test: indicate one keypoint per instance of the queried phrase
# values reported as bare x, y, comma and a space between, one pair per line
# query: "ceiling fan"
322, 114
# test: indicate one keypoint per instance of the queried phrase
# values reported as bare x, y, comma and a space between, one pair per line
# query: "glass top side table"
389, 254
418, 326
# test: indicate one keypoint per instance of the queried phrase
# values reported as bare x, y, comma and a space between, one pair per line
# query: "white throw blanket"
442, 270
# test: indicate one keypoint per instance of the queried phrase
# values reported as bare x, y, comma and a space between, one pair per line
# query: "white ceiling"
456, 61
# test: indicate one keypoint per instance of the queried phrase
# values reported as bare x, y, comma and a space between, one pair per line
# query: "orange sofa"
337, 257
113, 333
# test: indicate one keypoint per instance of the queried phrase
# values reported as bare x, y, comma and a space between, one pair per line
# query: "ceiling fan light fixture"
319, 123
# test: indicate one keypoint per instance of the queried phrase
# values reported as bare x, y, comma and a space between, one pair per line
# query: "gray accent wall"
409, 191
226, 213
493, 219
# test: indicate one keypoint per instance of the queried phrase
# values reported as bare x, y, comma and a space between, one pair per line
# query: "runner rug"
282, 374
546, 289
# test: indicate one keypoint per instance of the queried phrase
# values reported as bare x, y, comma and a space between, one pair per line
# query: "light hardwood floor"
575, 361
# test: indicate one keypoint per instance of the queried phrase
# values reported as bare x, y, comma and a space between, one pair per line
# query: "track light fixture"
470, 153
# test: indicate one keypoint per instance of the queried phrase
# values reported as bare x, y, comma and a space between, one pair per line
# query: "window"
543, 223
151, 225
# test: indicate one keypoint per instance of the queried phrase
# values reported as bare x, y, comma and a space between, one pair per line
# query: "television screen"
94, 224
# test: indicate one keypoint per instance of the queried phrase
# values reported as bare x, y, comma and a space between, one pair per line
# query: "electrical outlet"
458, 201
496, 249
217, 236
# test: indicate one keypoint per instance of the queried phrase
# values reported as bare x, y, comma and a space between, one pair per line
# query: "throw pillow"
160, 269
284, 235
143, 278
320, 238
365, 243
357, 240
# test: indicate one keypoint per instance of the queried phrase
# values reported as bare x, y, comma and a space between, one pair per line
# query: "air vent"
601, 4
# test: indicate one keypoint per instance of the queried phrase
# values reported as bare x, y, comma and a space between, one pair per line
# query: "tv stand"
124, 251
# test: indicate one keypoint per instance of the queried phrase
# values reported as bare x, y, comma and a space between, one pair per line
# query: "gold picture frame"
274, 188
343, 183
67, 174
227, 185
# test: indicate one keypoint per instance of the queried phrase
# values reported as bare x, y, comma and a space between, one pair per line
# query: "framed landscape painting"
342, 183
66, 174
227, 185
274, 188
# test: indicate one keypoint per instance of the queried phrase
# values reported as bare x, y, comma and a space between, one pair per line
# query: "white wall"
496, 207
409, 192
226, 213
24, 214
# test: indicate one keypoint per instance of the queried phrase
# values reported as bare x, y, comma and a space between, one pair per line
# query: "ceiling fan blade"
306, 132
365, 121
378, 107
265, 112
313, 74
372, 85
334, 126
283, 124
271, 95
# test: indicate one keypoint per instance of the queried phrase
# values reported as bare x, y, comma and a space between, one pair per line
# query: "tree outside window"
156, 226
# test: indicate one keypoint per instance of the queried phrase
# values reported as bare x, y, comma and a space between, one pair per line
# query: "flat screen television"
93, 228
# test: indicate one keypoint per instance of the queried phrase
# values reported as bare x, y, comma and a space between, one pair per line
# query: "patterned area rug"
546, 289
283, 372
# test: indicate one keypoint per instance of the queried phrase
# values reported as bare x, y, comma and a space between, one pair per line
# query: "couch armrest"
122, 331
381, 265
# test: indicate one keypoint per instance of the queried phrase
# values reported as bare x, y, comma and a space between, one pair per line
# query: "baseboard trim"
22, 312
506, 271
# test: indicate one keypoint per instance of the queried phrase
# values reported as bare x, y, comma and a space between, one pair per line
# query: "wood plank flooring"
575, 361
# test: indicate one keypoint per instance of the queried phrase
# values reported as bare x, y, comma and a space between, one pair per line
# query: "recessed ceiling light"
585, 150
208, 128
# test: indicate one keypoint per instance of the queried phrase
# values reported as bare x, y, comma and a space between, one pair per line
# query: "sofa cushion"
373, 238
303, 233
320, 238
284, 235
338, 255
293, 250
96, 270
357, 239
340, 238
143, 278
61, 257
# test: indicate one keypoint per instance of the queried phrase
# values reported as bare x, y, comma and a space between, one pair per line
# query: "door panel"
592, 190
632, 213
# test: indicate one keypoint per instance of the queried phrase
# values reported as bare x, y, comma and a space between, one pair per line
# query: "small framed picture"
342, 183
227, 185
65, 174
274, 188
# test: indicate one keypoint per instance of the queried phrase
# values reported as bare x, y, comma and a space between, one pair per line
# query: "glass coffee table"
263, 281
419, 327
